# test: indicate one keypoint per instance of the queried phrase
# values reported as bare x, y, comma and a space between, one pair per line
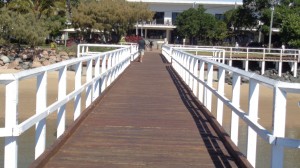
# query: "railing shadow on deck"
203, 119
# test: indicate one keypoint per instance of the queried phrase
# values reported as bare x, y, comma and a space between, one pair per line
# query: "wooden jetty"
147, 118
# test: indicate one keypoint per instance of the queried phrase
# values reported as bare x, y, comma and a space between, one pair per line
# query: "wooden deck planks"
144, 122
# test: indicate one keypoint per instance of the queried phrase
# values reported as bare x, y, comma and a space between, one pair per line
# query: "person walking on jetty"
141, 44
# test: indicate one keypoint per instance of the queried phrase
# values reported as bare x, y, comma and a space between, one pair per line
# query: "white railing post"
62, 92
223, 56
236, 85
185, 63
190, 69
230, 57
253, 115
247, 61
97, 83
41, 104
201, 78
103, 70
77, 100
195, 70
221, 85
280, 64
78, 50
89, 71
279, 117
11, 120
263, 63
295, 68
210, 75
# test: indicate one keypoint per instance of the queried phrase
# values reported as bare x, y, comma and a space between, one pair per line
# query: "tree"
22, 28
112, 16
33, 20
187, 23
195, 23
218, 33
290, 31
286, 14
240, 18
40, 8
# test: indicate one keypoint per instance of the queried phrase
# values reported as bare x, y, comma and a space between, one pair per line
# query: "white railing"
215, 54
263, 55
191, 69
102, 68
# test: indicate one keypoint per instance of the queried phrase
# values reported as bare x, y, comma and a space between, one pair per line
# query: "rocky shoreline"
28, 58
272, 74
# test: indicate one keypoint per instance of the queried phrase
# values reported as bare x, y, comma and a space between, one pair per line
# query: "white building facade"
163, 25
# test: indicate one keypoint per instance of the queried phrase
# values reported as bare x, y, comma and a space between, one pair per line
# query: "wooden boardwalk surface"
145, 120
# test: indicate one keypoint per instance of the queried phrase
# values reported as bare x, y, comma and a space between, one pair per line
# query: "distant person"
283, 47
151, 45
141, 45
177, 40
236, 45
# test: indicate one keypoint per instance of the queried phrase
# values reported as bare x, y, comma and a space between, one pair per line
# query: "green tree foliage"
40, 8
286, 17
113, 16
195, 23
240, 18
218, 33
22, 28
290, 31
31, 21
188, 23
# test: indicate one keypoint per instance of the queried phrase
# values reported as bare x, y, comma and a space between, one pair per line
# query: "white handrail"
113, 64
243, 54
204, 89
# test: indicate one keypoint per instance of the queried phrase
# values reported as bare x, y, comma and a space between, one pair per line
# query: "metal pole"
271, 24
136, 28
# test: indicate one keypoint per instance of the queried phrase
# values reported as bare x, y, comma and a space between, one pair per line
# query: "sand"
27, 100
28, 88
27, 91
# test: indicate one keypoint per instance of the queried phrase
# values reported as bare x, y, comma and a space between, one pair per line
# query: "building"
162, 27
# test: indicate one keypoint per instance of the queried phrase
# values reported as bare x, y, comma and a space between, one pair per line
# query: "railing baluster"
236, 86
247, 61
195, 70
190, 71
263, 63
62, 91
89, 71
279, 117
103, 70
221, 85
201, 78
11, 120
97, 83
41, 104
280, 64
210, 77
77, 100
253, 115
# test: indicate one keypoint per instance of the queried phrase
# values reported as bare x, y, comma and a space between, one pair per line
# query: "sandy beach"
27, 101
